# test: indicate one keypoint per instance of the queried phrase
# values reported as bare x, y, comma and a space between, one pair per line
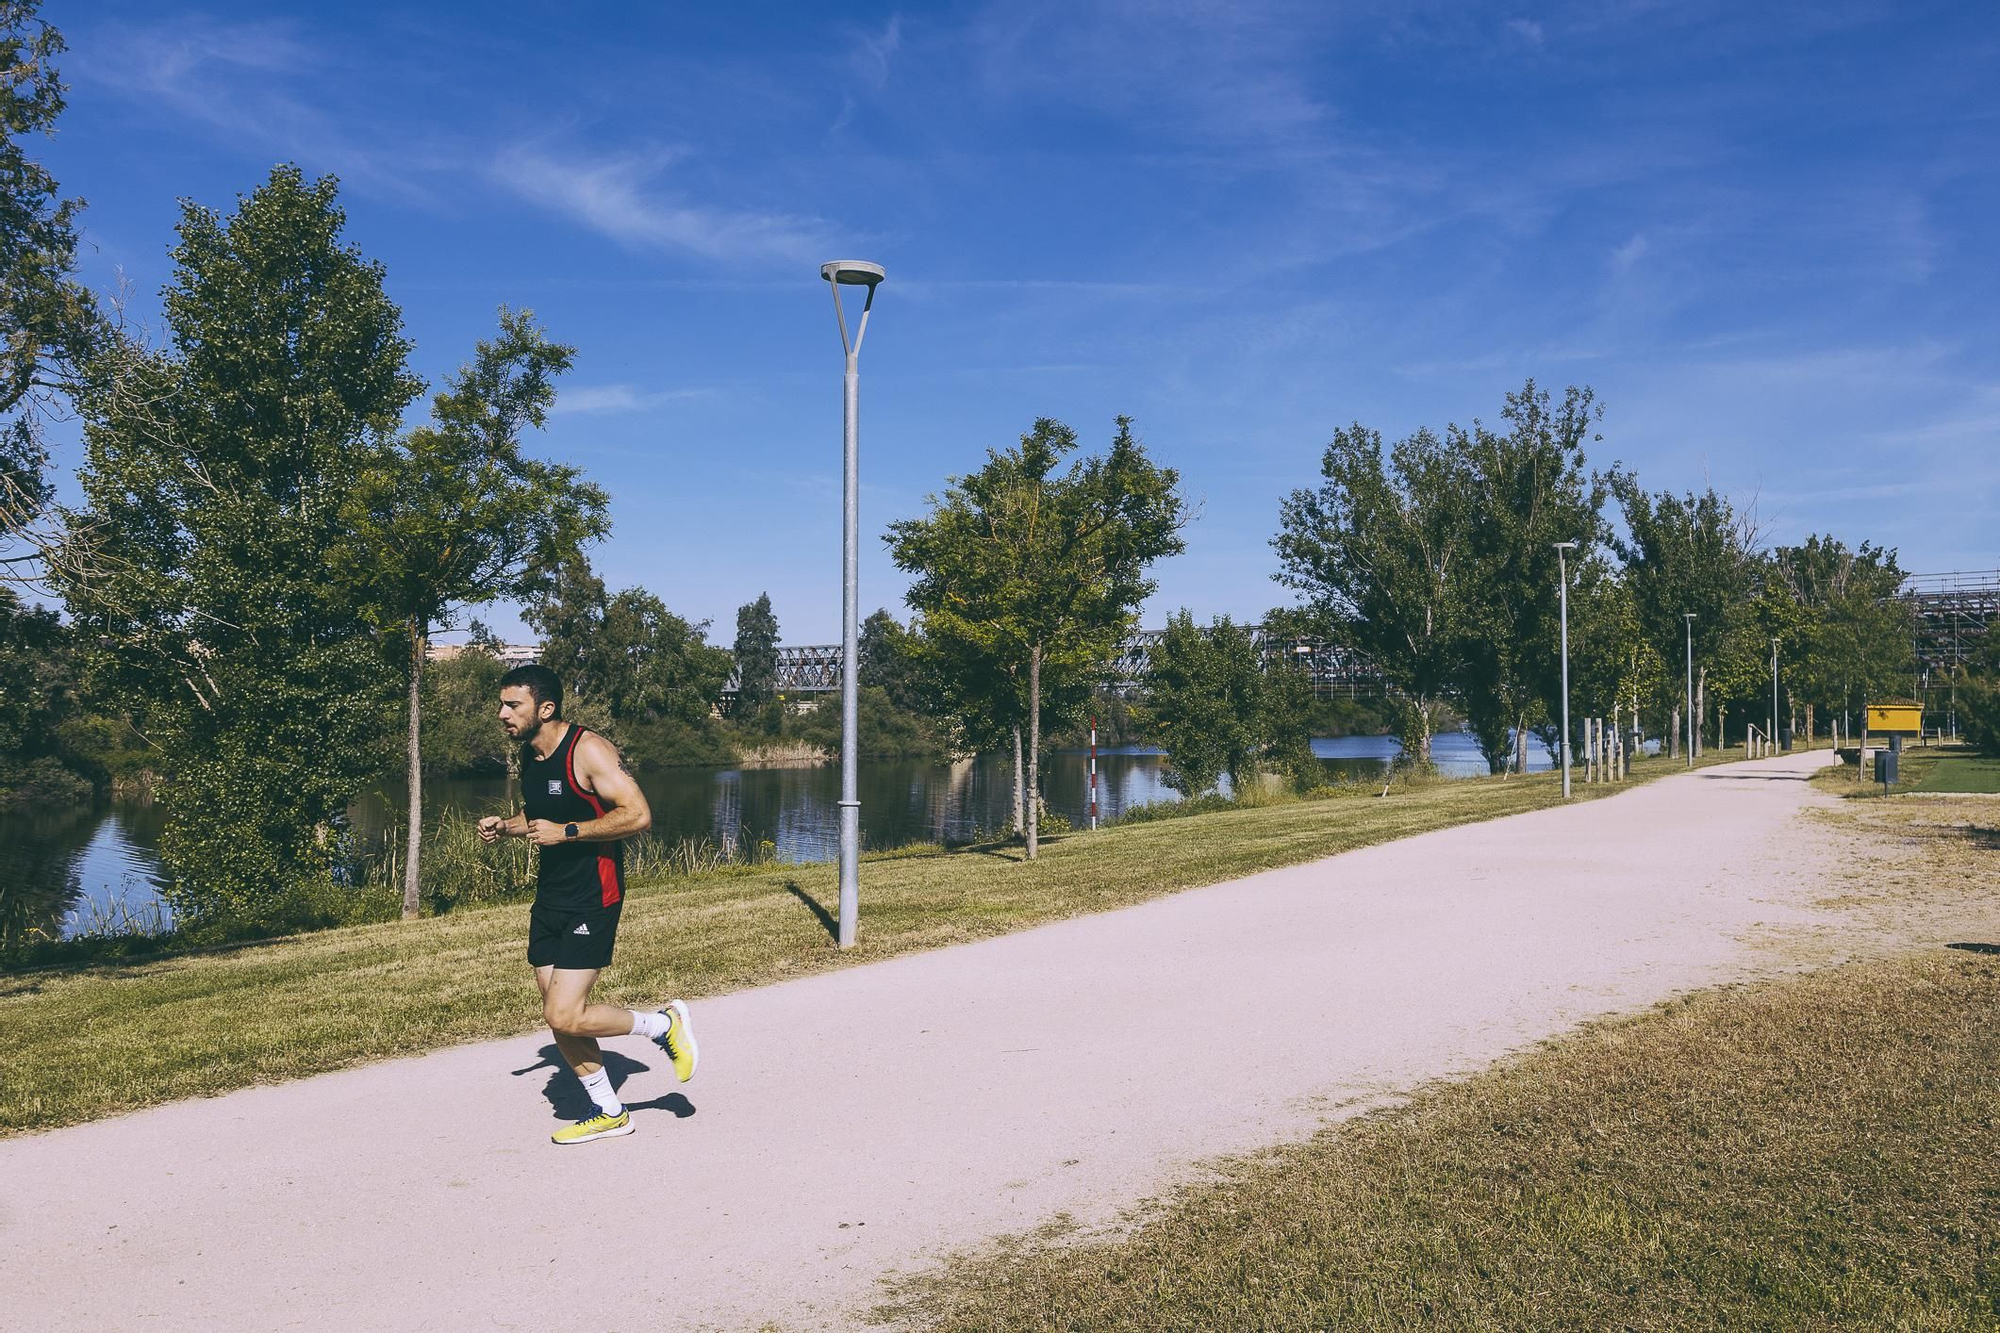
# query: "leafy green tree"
1612, 665
1383, 552
892, 661
1530, 489
461, 737
1041, 572
217, 477
49, 322
1687, 553
1848, 636
1205, 703
628, 653
756, 654
453, 515
38, 758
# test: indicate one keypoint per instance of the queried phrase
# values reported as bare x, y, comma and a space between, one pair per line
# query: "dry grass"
89, 1041
1811, 1152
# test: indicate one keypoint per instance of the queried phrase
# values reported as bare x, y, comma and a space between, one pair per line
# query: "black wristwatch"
569, 830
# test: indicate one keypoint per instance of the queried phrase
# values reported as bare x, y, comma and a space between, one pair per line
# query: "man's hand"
546, 832
492, 828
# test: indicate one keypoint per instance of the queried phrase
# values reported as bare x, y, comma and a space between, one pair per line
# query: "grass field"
1815, 1152
1964, 773
89, 1041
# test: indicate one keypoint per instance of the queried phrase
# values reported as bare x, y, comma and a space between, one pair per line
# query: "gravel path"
863, 1122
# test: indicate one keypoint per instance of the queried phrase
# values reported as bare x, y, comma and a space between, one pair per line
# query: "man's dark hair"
543, 685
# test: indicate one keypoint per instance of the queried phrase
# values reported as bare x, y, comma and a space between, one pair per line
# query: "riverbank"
91, 1041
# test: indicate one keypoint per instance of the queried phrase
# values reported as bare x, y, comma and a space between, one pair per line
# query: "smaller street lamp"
1774, 696
1689, 617
1562, 579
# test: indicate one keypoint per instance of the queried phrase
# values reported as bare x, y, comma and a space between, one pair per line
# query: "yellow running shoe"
678, 1040
597, 1127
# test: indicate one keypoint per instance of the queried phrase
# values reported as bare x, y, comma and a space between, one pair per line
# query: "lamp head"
852, 272
1565, 546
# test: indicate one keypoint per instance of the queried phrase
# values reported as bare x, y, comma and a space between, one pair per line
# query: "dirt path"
861, 1122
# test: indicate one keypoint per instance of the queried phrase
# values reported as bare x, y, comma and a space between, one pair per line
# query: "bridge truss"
1954, 613
1332, 671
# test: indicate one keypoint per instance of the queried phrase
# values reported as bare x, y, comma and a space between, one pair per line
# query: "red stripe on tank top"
569, 770
607, 878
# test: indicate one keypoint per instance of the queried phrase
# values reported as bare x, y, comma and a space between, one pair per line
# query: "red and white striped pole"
1093, 773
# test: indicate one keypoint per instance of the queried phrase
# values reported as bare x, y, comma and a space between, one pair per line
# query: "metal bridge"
1954, 612
815, 668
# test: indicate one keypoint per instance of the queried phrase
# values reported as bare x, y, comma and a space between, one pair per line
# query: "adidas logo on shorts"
582, 928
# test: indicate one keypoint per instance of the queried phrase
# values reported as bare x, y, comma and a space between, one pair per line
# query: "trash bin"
1885, 766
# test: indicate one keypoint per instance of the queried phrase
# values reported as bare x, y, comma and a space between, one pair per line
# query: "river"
81, 868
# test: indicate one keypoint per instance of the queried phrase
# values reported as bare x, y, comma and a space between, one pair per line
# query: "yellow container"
1896, 715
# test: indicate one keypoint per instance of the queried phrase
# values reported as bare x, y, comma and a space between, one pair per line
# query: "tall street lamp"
850, 273
1689, 616
1774, 696
1562, 577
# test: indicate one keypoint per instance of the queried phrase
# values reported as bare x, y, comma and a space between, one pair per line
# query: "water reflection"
67, 870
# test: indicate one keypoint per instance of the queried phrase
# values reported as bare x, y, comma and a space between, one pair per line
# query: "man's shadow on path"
568, 1101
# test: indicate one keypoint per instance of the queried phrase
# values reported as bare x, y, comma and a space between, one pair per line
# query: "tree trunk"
1520, 743
1020, 818
1721, 735
1674, 736
1034, 751
1700, 708
414, 848
1809, 726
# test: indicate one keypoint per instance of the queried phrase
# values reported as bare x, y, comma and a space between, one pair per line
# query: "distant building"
511, 654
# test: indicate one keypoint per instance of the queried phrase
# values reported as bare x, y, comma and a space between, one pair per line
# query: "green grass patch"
1811, 1153
1922, 768
1963, 773
92, 1040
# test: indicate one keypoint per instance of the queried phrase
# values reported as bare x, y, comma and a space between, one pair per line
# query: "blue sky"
1763, 234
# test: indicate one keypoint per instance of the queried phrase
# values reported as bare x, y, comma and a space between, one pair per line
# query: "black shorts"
572, 939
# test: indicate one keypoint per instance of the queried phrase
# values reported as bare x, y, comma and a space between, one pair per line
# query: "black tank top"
570, 876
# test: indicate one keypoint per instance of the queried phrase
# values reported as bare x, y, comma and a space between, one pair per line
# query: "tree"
892, 661
218, 472
1687, 553
38, 763
1385, 558
1042, 572
756, 655
452, 516
49, 323
628, 653
1530, 490
1847, 635
1204, 702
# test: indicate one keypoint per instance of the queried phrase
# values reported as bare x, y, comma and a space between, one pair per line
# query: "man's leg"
575, 1022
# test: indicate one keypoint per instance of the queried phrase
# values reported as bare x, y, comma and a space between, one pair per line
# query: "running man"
579, 803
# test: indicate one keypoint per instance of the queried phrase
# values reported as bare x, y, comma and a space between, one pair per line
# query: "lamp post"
1774, 696
850, 273
1562, 578
1689, 617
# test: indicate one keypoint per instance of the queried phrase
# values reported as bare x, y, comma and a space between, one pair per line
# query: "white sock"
649, 1024
599, 1087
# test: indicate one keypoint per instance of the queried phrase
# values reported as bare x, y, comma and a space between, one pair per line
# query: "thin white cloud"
240, 83
614, 398
1628, 254
1528, 31
873, 54
619, 196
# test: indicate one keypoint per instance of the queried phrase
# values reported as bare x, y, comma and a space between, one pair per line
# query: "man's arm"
599, 769
494, 827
